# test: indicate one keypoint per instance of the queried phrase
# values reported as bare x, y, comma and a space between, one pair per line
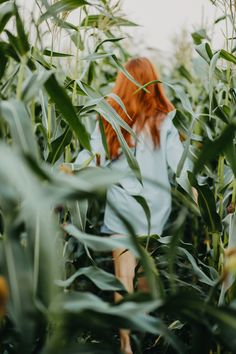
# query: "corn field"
56, 272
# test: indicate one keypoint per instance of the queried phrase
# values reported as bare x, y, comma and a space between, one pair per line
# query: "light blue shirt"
156, 189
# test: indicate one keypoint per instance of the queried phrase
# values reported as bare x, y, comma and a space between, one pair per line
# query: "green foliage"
57, 264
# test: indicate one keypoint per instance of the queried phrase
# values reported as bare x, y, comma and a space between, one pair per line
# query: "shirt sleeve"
174, 151
96, 149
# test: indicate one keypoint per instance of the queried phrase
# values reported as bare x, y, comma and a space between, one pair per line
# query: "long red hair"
147, 109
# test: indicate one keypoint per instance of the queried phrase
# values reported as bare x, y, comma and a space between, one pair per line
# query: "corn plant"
57, 282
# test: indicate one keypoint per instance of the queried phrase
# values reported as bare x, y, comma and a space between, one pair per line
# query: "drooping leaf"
15, 44
58, 146
3, 62
104, 139
125, 72
228, 56
26, 265
50, 53
213, 148
62, 6
142, 201
221, 18
185, 73
120, 67
207, 204
103, 280
198, 36
22, 38
64, 105
98, 243
96, 20
194, 309
212, 69
64, 24
129, 313
179, 91
204, 50
33, 84
15, 114
196, 268
6, 12
113, 40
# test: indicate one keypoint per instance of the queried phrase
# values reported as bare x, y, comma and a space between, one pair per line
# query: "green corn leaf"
104, 139
142, 201
189, 306
22, 37
204, 50
64, 105
97, 20
207, 204
198, 36
62, 6
58, 146
6, 12
228, 56
103, 280
15, 114
213, 148
33, 84
113, 40
50, 53
98, 243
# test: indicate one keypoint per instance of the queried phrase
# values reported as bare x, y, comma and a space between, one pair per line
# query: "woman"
149, 113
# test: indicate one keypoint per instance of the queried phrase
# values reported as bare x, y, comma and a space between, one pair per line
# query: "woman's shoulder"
166, 126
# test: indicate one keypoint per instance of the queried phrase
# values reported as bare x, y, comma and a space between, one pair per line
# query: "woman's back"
153, 162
